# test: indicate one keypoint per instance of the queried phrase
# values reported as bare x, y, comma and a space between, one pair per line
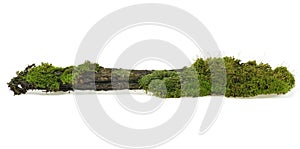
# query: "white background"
36, 31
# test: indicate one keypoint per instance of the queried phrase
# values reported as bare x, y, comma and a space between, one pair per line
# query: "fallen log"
103, 79
228, 77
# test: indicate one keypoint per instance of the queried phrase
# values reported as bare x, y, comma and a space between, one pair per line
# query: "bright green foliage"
45, 77
88, 66
192, 81
50, 78
220, 76
67, 76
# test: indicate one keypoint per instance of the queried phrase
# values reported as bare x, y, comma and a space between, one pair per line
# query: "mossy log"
103, 79
230, 77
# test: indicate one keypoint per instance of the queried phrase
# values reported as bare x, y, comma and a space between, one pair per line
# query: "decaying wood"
107, 80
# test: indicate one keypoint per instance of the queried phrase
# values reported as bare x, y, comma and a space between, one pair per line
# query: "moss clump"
189, 83
87, 66
44, 76
252, 79
162, 83
67, 76
50, 78
120, 74
220, 76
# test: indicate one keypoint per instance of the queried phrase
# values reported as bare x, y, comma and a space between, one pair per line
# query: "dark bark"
107, 80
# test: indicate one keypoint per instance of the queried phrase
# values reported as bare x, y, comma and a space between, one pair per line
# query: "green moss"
44, 76
49, 78
221, 76
67, 76
189, 82
87, 66
120, 73
158, 74
158, 88
162, 83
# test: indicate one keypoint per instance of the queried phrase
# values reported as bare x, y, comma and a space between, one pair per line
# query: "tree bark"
106, 79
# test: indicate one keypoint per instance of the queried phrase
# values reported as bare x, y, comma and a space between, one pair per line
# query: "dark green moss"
87, 66
158, 74
44, 76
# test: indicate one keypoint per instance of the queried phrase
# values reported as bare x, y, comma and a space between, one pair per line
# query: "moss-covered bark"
229, 77
87, 76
